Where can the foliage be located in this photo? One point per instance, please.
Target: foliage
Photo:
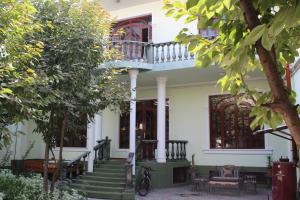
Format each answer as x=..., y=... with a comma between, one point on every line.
x=23, y=188
x=18, y=79
x=234, y=49
x=75, y=40
x=4, y=160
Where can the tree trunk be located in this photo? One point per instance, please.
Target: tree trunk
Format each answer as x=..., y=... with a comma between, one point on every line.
x=281, y=102
x=46, y=161
x=46, y=158
x=61, y=146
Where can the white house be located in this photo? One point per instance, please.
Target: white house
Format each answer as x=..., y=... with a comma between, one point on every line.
x=177, y=105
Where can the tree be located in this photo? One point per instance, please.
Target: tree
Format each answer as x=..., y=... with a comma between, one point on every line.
x=75, y=39
x=252, y=35
x=17, y=78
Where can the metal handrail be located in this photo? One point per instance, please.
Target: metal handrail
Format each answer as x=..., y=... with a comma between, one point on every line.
x=84, y=155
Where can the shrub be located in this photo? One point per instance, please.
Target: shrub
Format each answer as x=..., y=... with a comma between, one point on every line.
x=23, y=188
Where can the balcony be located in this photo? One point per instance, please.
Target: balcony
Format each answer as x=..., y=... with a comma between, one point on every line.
x=156, y=56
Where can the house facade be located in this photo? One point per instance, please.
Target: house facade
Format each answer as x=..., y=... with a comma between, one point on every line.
x=177, y=110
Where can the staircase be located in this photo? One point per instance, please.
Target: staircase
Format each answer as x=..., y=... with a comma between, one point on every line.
x=106, y=182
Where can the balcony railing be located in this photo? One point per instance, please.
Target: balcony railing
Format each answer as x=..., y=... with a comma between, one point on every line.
x=175, y=149
x=157, y=53
x=152, y=53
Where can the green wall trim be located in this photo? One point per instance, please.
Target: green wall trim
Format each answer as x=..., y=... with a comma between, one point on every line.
x=162, y=176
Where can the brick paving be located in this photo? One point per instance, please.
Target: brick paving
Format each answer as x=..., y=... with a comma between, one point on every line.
x=185, y=193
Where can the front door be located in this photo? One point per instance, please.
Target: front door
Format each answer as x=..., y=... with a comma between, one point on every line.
x=146, y=122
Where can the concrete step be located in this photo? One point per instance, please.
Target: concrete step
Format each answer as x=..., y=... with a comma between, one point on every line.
x=109, y=166
x=106, y=174
x=110, y=170
x=102, y=183
x=101, y=178
x=108, y=195
x=98, y=187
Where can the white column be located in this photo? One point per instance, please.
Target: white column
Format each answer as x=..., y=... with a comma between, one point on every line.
x=133, y=77
x=161, y=119
x=98, y=128
x=90, y=145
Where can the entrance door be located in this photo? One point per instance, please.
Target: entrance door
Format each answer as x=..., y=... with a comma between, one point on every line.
x=146, y=122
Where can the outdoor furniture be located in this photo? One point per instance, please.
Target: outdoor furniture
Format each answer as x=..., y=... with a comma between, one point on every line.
x=198, y=182
x=36, y=165
x=249, y=182
x=228, y=178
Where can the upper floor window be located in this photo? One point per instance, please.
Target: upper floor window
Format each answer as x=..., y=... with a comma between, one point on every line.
x=135, y=29
x=230, y=124
x=132, y=36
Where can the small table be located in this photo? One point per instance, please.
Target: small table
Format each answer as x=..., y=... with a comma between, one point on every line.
x=201, y=183
x=249, y=180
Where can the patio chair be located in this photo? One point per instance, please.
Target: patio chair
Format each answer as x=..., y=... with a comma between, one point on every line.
x=198, y=181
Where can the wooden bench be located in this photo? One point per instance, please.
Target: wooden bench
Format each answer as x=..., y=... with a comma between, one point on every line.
x=36, y=165
x=228, y=178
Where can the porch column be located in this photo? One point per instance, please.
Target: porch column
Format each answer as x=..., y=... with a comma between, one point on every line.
x=132, y=130
x=161, y=119
x=98, y=128
x=90, y=145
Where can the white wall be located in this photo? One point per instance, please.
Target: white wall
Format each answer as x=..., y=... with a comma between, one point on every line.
x=164, y=29
x=189, y=120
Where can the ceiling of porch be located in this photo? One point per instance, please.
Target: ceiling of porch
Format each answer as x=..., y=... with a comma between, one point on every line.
x=119, y=4
x=186, y=76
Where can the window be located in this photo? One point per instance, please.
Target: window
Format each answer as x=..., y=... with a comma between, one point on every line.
x=230, y=124
x=76, y=135
x=130, y=36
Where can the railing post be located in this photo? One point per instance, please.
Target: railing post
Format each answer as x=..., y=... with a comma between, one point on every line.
x=184, y=150
x=157, y=53
x=177, y=150
x=167, y=150
x=150, y=53
x=129, y=177
x=162, y=55
x=179, y=52
x=173, y=152
x=129, y=170
x=181, y=150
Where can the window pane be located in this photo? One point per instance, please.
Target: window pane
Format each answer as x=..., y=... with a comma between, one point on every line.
x=230, y=124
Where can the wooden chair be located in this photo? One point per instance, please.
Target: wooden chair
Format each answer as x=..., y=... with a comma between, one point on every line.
x=198, y=182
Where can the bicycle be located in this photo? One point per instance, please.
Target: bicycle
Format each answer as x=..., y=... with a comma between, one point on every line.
x=145, y=182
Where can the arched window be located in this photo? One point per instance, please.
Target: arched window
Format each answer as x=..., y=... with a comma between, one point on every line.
x=230, y=124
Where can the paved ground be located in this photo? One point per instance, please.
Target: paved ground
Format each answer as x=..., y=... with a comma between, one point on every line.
x=185, y=193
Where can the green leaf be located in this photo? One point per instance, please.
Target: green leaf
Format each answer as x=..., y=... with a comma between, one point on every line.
x=227, y=4
x=191, y=3
x=255, y=34
x=267, y=41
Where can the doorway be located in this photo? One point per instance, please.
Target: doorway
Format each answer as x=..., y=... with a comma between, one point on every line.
x=146, y=122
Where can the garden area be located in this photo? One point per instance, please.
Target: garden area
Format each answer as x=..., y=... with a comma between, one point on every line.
x=51, y=53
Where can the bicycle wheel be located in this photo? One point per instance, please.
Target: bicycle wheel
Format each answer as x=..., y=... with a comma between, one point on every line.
x=144, y=187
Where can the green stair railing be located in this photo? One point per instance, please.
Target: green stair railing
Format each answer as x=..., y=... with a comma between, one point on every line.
x=77, y=166
x=128, y=170
x=102, y=150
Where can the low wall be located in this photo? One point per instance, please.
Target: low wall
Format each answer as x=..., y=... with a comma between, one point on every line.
x=163, y=176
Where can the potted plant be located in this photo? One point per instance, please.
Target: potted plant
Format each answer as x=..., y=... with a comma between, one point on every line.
x=269, y=162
